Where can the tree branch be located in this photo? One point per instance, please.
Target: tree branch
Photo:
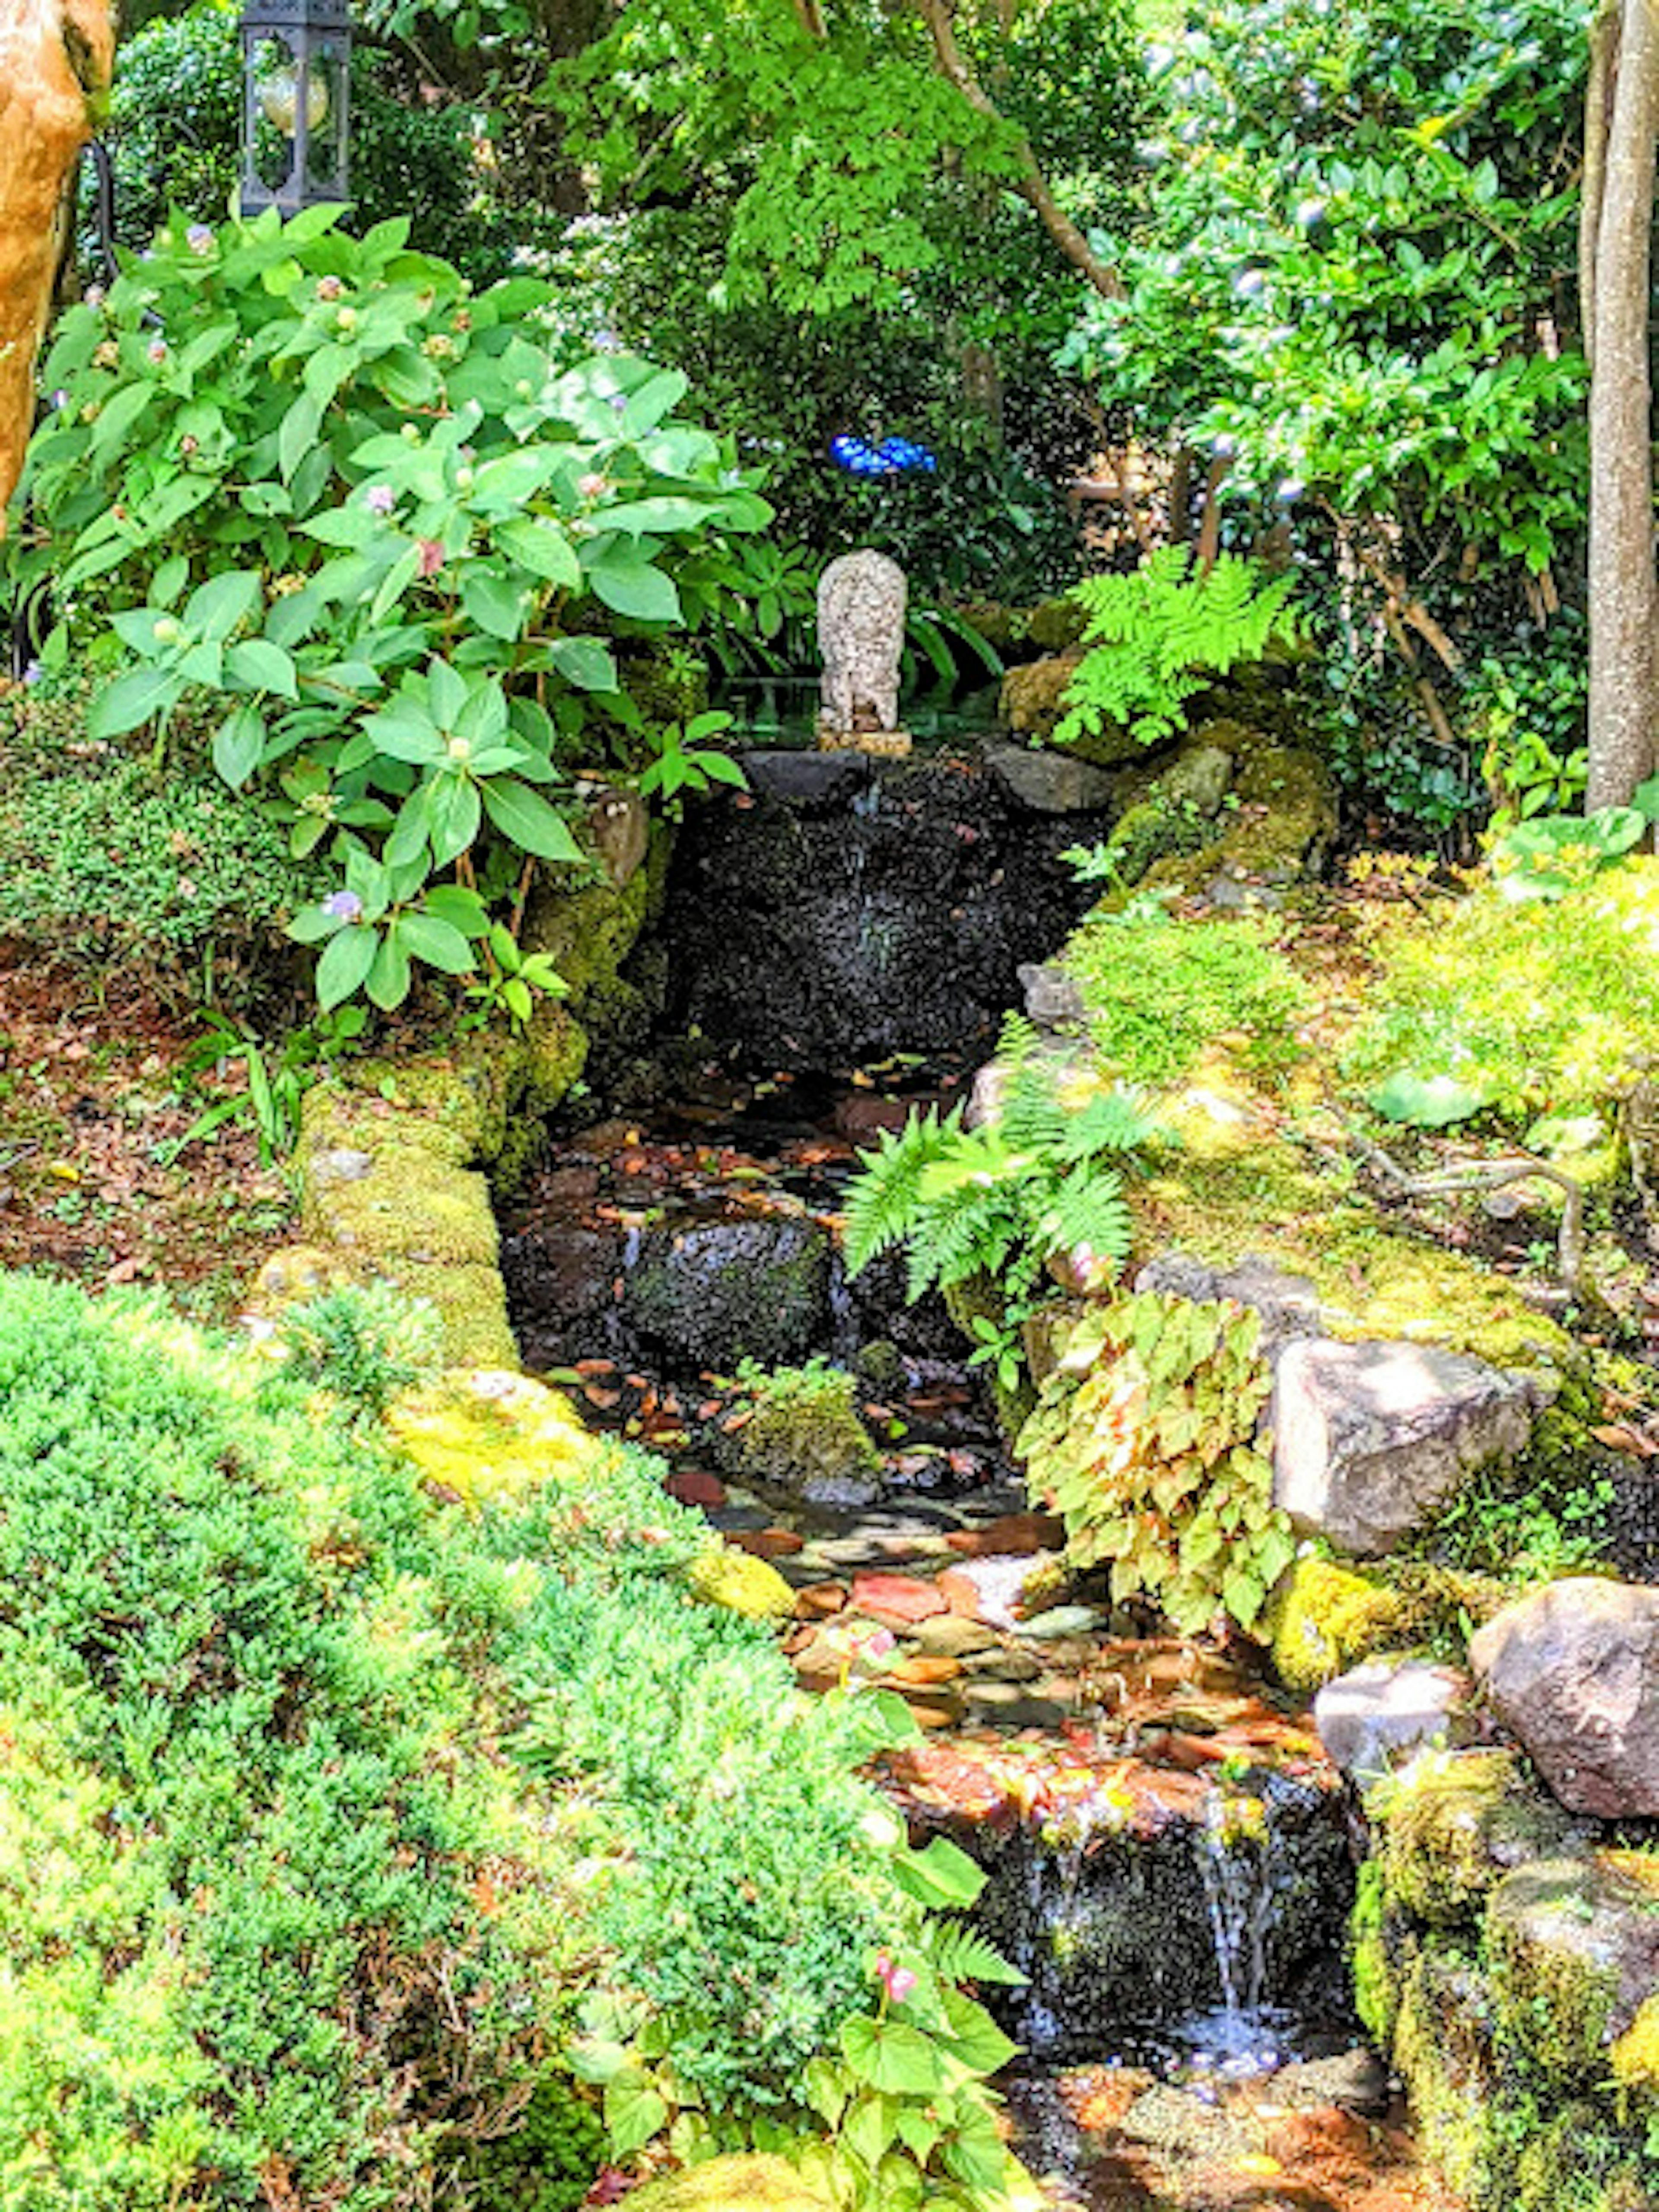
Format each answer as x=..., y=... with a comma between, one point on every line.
x=1031, y=183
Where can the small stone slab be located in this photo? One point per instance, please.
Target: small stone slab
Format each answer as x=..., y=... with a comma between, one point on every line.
x=808, y=781
x=695, y=1485
x=1375, y=1714
x=1052, y=997
x=948, y=1635
x=1573, y=1672
x=1048, y=782
x=899, y=1601
x=1060, y=1620
x=1369, y=1438
x=990, y=1590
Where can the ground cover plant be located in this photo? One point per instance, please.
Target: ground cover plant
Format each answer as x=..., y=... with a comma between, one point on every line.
x=354, y=1801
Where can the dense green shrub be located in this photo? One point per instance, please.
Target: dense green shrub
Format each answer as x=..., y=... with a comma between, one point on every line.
x=324, y=1805
x=1527, y=1008
x=375, y=518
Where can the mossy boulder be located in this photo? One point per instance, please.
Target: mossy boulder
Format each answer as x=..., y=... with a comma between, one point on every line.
x=1458, y=1823
x=1574, y=1950
x=1443, y=2047
x=1282, y=820
x=741, y=1584
x=1323, y=1619
x=801, y=1435
x=725, y=1291
x=732, y=2184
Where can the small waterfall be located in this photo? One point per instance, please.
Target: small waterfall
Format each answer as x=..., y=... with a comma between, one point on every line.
x=1236, y=1864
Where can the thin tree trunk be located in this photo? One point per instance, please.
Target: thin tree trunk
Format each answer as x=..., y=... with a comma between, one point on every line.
x=1624, y=605
x=55, y=61
x=1598, y=105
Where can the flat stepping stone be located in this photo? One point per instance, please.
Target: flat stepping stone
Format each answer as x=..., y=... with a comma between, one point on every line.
x=897, y=1599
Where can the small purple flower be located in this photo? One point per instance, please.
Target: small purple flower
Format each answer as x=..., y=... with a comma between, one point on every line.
x=199, y=238
x=60, y=400
x=157, y=350
x=33, y=672
x=380, y=499
x=343, y=906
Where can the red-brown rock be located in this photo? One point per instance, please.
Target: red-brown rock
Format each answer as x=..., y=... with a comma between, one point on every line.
x=896, y=1600
x=695, y=1485
x=1014, y=1533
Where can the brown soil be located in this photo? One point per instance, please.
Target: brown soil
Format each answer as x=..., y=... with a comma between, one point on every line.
x=91, y=1090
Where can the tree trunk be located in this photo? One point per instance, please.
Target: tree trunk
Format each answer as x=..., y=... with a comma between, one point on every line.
x=1624, y=606
x=55, y=61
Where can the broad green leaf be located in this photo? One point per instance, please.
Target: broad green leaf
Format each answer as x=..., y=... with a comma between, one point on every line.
x=893, y=2056
x=133, y=700
x=495, y=601
x=634, y=2113
x=525, y=817
x=1426, y=1102
x=543, y=548
x=215, y=607
x=584, y=662
x=436, y=942
x=344, y=966
x=389, y=978
x=238, y=744
x=632, y=586
x=257, y=664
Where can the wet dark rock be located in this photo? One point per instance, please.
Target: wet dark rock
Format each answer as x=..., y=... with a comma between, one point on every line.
x=808, y=780
x=561, y=1280
x=1048, y=782
x=1573, y=1672
x=813, y=934
x=711, y=1296
x=1108, y=1915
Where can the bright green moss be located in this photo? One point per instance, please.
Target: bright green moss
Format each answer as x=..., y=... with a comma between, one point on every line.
x=1542, y=1007
x=1554, y=1969
x=1455, y=1823
x=741, y=1584
x=1159, y=990
x=1324, y=1619
x=732, y=2184
x=1376, y=1994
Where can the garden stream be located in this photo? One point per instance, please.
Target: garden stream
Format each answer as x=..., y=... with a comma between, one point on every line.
x=1167, y=1852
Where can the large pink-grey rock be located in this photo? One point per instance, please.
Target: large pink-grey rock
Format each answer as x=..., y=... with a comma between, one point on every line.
x=1573, y=1672
x=1369, y=1438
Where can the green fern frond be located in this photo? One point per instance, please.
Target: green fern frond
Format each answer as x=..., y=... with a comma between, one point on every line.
x=1019, y=1041
x=1164, y=633
x=1115, y=1120
x=958, y=1953
x=1086, y=1211
x=884, y=1202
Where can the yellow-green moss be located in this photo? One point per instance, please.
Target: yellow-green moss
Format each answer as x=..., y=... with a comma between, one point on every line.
x=1454, y=1824
x=478, y=1435
x=1635, y=2057
x=470, y=1302
x=409, y=1205
x=731, y=2184
x=741, y=1584
x=1324, y=1619
x=1441, y=2050
x=1555, y=1977
x=1286, y=818
x=1376, y=1992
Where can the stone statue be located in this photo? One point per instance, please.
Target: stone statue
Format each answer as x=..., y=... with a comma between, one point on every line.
x=861, y=600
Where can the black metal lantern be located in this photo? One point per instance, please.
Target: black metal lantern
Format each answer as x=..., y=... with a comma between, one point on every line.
x=296, y=104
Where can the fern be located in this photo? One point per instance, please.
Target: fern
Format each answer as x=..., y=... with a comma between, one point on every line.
x=1001, y=1200
x=1163, y=633
x=885, y=1200
x=958, y=1953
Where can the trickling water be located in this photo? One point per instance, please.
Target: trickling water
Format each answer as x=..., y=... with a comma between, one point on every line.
x=1235, y=1853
